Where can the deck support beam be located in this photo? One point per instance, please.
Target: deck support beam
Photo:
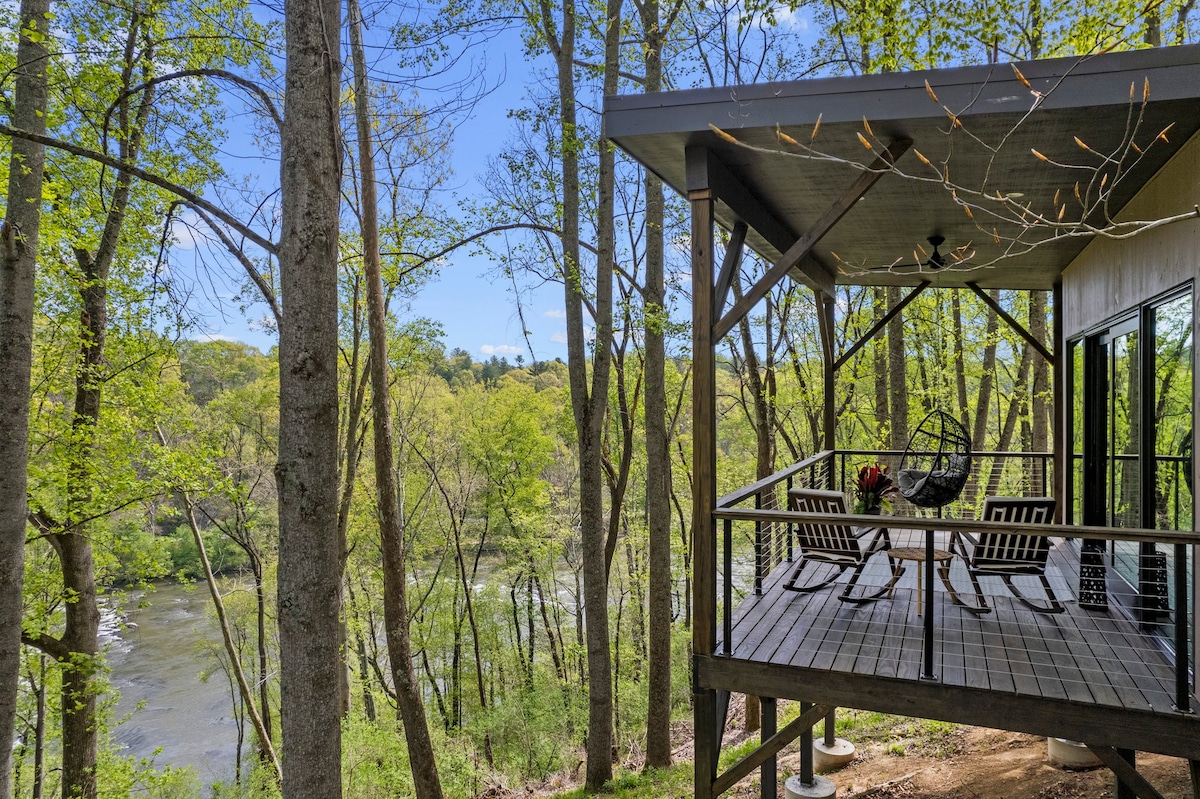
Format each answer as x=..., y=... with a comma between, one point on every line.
x=1130, y=783
x=801, y=249
x=1013, y=323
x=768, y=773
x=881, y=324
x=769, y=748
x=1167, y=733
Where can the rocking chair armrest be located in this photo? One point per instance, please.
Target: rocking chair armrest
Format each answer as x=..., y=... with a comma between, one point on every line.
x=860, y=532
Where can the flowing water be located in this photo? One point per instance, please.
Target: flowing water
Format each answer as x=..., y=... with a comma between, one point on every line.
x=157, y=662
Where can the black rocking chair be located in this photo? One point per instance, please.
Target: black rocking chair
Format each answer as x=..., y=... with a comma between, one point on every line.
x=837, y=545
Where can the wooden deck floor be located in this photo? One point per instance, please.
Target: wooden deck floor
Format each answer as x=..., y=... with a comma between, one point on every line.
x=1097, y=659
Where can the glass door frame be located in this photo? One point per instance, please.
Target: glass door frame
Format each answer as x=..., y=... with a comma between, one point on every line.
x=1097, y=440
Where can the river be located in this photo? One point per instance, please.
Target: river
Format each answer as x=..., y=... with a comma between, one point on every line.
x=157, y=664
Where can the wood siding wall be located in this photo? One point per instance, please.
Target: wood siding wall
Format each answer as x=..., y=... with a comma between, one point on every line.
x=1110, y=277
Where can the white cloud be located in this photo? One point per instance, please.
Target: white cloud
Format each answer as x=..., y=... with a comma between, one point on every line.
x=183, y=231
x=778, y=16
x=499, y=349
x=560, y=337
x=792, y=20
x=555, y=313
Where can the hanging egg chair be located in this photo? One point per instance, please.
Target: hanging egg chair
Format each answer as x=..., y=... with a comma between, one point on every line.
x=936, y=462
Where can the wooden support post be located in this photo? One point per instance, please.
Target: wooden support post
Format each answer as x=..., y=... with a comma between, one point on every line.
x=831, y=728
x=806, y=749
x=704, y=720
x=768, y=778
x=825, y=314
x=704, y=493
x=1194, y=769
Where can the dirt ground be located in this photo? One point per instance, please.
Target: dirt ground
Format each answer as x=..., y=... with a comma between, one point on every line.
x=898, y=758
x=978, y=763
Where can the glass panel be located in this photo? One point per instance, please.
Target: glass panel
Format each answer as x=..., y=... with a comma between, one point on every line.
x=1173, y=392
x=1173, y=414
x=1124, y=505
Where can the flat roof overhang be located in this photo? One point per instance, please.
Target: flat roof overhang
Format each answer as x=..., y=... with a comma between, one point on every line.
x=769, y=185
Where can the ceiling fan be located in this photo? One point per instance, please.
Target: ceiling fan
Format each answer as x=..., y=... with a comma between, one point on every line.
x=935, y=260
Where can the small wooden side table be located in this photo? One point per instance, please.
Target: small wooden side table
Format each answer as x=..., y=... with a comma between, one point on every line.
x=941, y=558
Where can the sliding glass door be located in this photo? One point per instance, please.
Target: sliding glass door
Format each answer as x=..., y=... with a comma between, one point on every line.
x=1132, y=434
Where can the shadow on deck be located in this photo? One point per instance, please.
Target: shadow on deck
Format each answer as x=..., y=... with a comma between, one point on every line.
x=1088, y=675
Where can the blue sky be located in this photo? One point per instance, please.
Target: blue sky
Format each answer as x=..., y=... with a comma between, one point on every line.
x=477, y=313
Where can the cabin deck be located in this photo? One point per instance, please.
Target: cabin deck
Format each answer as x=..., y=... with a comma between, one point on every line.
x=1082, y=674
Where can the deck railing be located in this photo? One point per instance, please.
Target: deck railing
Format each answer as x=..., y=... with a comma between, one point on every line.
x=994, y=473
x=772, y=540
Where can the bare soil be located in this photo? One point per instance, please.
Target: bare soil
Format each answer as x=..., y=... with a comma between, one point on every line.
x=907, y=759
x=984, y=764
x=959, y=762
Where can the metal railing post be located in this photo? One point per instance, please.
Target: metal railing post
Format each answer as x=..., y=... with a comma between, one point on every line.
x=927, y=665
x=1183, y=697
x=791, y=528
x=727, y=646
x=758, y=547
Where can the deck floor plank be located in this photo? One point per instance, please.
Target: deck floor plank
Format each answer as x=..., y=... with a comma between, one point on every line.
x=1082, y=656
x=874, y=639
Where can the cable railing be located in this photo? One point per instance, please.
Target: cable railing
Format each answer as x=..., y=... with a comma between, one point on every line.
x=756, y=540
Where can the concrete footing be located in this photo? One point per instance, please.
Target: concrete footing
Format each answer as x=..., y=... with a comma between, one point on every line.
x=831, y=758
x=821, y=788
x=1071, y=755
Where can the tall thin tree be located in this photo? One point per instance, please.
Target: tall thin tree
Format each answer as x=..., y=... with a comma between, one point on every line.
x=18, y=261
x=391, y=535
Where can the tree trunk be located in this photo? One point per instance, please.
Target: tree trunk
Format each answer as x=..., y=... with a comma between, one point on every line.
x=987, y=379
x=882, y=406
x=1016, y=409
x=658, y=456
x=395, y=602
x=588, y=407
x=960, y=367
x=309, y=557
x=19, y=240
x=71, y=541
x=267, y=751
x=1041, y=423
x=897, y=374
x=764, y=426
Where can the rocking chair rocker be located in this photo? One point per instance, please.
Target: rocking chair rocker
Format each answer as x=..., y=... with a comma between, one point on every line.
x=1005, y=555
